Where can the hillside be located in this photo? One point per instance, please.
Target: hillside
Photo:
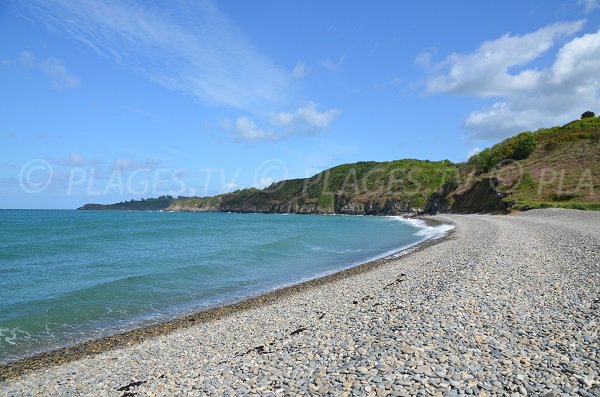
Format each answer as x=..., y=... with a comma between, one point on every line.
x=551, y=167
x=151, y=204
x=370, y=188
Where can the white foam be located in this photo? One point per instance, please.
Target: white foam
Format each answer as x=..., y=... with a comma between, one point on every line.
x=9, y=335
x=428, y=232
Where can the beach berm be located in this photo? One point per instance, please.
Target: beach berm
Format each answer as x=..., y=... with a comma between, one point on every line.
x=506, y=305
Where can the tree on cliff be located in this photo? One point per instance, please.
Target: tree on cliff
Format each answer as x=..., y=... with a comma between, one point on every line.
x=587, y=114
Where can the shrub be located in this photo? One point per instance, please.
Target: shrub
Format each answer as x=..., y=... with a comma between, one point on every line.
x=583, y=124
x=518, y=147
x=480, y=161
x=587, y=115
x=568, y=135
x=523, y=145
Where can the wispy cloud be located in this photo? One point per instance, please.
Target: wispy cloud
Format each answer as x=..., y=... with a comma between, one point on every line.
x=189, y=47
x=589, y=5
x=27, y=59
x=56, y=70
x=265, y=182
x=333, y=64
x=104, y=168
x=247, y=131
x=52, y=67
x=126, y=165
x=529, y=97
x=306, y=120
x=473, y=152
x=72, y=160
x=425, y=56
x=300, y=70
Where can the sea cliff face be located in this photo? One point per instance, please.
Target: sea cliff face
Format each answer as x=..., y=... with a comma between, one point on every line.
x=478, y=196
x=341, y=205
x=364, y=188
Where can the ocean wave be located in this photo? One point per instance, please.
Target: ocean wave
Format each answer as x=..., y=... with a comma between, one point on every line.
x=427, y=231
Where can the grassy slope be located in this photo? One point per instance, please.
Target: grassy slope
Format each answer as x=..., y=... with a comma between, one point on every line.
x=363, y=187
x=562, y=170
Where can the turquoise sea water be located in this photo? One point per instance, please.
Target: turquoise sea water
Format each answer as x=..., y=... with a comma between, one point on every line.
x=69, y=276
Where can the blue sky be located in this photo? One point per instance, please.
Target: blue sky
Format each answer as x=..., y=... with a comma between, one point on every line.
x=106, y=101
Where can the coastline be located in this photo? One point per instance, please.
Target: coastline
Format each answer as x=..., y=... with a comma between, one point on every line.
x=508, y=305
x=138, y=335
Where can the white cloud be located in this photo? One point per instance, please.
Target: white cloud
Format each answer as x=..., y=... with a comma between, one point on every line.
x=333, y=64
x=485, y=72
x=27, y=59
x=224, y=123
x=265, y=182
x=589, y=5
x=246, y=130
x=188, y=47
x=55, y=68
x=51, y=67
x=300, y=70
x=123, y=164
x=424, y=58
x=306, y=120
x=473, y=152
x=230, y=186
x=73, y=160
x=531, y=97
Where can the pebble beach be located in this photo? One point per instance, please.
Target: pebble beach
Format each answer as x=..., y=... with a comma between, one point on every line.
x=503, y=306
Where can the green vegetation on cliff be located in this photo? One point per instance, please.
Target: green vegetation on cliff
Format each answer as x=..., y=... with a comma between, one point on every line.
x=518, y=147
x=359, y=188
x=151, y=204
x=551, y=167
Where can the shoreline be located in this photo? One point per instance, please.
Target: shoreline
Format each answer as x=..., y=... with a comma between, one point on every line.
x=138, y=335
x=507, y=305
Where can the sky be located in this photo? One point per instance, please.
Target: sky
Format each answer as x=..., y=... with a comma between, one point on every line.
x=103, y=101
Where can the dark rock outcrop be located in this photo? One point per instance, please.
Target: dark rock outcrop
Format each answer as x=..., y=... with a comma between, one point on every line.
x=439, y=201
x=483, y=195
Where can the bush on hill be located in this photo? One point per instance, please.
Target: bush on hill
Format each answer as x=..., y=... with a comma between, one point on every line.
x=518, y=147
x=587, y=114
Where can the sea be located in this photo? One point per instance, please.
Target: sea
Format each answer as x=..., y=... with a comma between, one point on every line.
x=69, y=276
